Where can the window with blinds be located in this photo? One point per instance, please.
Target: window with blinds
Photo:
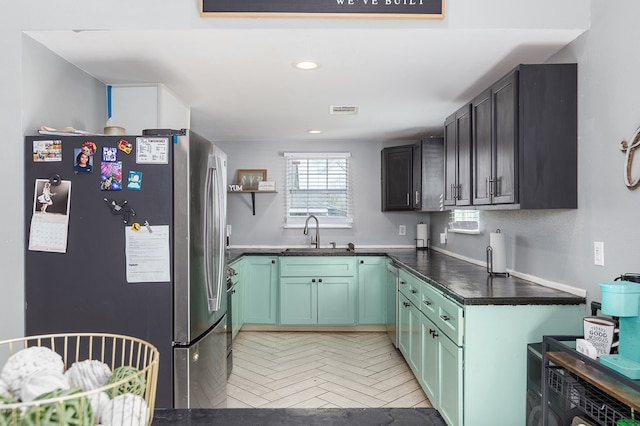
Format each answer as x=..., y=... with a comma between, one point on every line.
x=465, y=221
x=318, y=184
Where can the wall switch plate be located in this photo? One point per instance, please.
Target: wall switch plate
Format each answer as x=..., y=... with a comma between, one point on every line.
x=402, y=230
x=443, y=238
x=598, y=253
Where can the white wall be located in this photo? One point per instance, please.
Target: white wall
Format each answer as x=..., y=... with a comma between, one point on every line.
x=371, y=226
x=558, y=245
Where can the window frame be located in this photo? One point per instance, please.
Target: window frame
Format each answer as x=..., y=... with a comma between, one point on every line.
x=339, y=222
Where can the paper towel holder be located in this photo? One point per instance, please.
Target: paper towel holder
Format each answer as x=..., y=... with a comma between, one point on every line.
x=421, y=243
x=490, y=261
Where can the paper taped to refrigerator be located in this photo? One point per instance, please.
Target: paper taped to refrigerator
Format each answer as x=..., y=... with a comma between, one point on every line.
x=147, y=254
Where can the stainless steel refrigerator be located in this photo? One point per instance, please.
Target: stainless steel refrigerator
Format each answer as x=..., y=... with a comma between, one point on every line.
x=132, y=242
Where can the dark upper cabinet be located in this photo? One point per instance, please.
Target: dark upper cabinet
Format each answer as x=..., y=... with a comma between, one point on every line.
x=524, y=140
x=432, y=174
x=397, y=178
x=412, y=176
x=457, y=152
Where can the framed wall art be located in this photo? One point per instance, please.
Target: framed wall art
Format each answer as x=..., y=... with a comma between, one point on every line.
x=250, y=179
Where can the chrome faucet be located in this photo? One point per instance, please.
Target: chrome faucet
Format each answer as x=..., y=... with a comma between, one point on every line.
x=315, y=242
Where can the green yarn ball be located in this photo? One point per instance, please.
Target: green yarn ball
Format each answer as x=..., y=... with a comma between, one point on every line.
x=71, y=412
x=135, y=385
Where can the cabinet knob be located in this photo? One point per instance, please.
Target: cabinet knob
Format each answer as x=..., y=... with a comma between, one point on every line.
x=319, y=280
x=361, y=262
x=273, y=261
x=412, y=291
x=402, y=282
x=445, y=317
x=313, y=280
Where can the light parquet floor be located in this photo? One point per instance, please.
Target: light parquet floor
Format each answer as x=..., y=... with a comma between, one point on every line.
x=320, y=370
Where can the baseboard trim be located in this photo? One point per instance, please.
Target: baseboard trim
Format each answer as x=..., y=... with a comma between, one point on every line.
x=348, y=328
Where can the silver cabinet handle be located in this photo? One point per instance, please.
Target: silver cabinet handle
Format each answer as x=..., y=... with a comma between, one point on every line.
x=427, y=302
x=417, y=197
x=408, y=203
x=445, y=317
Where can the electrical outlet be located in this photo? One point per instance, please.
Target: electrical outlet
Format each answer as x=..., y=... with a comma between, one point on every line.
x=402, y=230
x=598, y=253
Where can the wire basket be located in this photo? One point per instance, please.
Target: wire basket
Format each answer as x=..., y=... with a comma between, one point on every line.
x=127, y=399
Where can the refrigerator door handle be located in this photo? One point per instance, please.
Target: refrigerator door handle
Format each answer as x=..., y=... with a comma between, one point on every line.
x=219, y=255
x=213, y=302
x=214, y=237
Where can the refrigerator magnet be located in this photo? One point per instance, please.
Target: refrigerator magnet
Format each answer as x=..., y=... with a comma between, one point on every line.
x=134, y=181
x=109, y=153
x=152, y=150
x=111, y=176
x=83, y=163
x=135, y=226
x=125, y=146
x=47, y=151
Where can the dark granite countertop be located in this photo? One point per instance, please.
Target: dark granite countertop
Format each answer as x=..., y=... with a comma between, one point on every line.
x=465, y=282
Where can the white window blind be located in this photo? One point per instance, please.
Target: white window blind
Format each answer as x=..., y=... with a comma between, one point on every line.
x=465, y=221
x=318, y=184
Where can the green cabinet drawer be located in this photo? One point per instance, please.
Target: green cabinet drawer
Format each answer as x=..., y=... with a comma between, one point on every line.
x=446, y=314
x=410, y=286
x=329, y=266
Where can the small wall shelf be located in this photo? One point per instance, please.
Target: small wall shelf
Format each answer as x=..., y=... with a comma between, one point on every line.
x=253, y=196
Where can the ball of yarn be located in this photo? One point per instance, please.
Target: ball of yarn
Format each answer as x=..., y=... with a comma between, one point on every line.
x=127, y=409
x=88, y=374
x=135, y=385
x=42, y=381
x=70, y=411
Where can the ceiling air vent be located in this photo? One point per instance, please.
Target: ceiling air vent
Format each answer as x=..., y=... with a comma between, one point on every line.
x=343, y=110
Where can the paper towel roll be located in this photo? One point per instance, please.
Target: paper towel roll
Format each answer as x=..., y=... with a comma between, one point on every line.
x=422, y=235
x=499, y=253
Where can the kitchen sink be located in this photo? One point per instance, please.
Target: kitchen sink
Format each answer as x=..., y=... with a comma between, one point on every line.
x=312, y=251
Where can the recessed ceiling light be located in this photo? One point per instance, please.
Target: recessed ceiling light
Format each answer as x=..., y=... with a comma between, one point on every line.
x=314, y=132
x=306, y=65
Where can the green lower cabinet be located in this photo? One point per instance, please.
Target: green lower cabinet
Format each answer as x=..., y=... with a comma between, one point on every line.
x=450, y=383
x=430, y=373
x=404, y=333
x=298, y=301
x=260, y=288
x=415, y=340
x=372, y=290
x=317, y=300
x=336, y=301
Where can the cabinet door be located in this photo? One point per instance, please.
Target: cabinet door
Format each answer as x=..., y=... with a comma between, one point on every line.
x=505, y=112
x=432, y=186
x=336, y=300
x=415, y=340
x=372, y=290
x=450, y=385
x=404, y=309
x=430, y=374
x=298, y=301
x=482, y=148
x=260, y=290
x=450, y=161
x=397, y=178
x=416, y=181
x=463, y=154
